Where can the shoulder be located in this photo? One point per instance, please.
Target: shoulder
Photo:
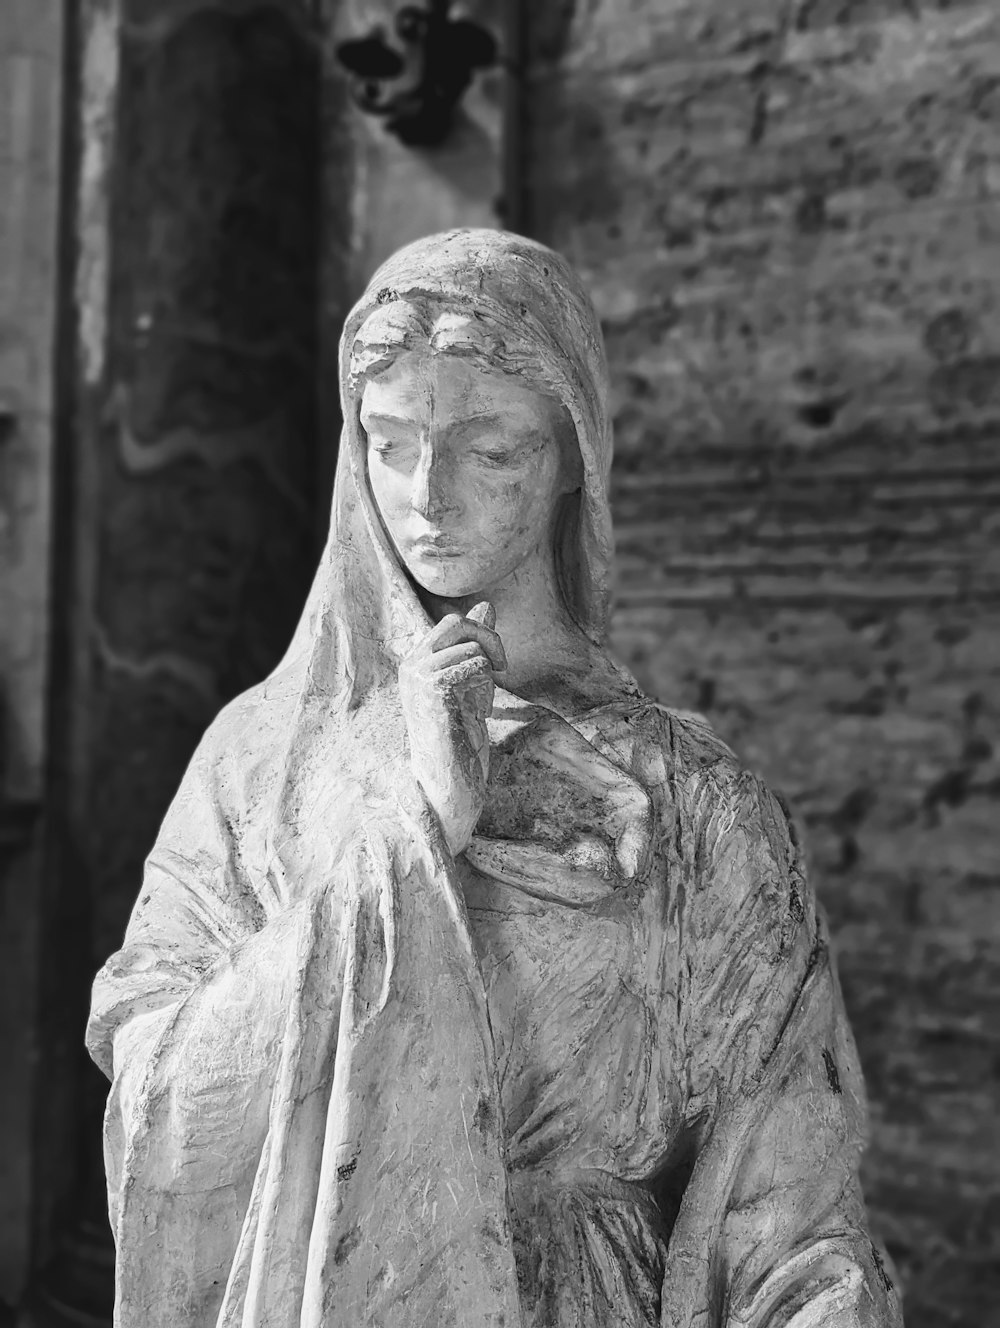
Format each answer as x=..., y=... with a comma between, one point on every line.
x=743, y=846
x=693, y=743
x=671, y=746
x=724, y=797
x=710, y=769
x=732, y=821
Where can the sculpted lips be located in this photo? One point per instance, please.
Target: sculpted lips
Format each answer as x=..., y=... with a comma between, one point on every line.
x=435, y=542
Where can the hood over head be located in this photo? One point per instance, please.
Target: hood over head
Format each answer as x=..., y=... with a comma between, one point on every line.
x=530, y=309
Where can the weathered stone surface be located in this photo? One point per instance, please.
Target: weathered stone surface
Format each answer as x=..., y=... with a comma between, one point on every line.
x=788, y=215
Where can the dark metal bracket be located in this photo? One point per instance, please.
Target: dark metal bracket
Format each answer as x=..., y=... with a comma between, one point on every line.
x=414, y=76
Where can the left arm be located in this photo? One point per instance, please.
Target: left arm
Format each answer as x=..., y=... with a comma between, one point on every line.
x=772, y=1231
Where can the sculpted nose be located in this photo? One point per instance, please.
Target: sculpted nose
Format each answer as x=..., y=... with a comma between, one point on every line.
x=433, y=494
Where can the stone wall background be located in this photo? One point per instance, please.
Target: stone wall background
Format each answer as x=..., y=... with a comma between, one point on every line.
x=789, y=214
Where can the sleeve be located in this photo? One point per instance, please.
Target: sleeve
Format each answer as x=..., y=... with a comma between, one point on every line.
x=772, y=1231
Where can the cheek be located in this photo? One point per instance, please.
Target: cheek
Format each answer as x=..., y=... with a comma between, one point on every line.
x=388, y=489
x=516, y=511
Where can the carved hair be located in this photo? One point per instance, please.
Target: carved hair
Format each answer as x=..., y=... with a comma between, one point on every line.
x=422, y=323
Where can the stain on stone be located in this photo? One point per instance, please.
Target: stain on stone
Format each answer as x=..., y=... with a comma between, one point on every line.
x=871, y=702
x=491, y=1234
x=348, y=1169
x=758, y=122
x=810, y=215
x=947, y=335
x=917, y=177
x=714, y=203
x=678, y=237
x=705, y=699
x=977, y=749
x=854, y=809
x=951, y=634
x=795, y=905
x=819, y=414
x=984, y=97
x=969, y=382
x=849, y=854
x=551, y=29
x=484, y=1118
x=346, y=1246
x=883, y=1276
x=972, y=702
x=980, y=882
x=832, y=1073
x=950, y=790
x=638, y=385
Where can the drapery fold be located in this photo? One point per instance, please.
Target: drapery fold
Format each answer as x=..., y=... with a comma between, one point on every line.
x=379, y=1191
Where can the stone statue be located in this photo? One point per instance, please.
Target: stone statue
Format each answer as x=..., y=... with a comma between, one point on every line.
x=467, y=986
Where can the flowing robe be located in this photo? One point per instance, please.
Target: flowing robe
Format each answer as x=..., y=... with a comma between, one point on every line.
x=594, y=1071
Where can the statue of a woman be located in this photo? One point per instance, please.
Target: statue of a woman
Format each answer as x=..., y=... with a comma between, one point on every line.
x=466, y=985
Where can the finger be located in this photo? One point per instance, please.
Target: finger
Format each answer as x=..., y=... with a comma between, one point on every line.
x=463, y=673
x=483, y=613
x=466, y=650
x=453, y=629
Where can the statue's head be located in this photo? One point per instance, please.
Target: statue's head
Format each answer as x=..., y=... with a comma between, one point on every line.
x=474, y=389
x=469, y=451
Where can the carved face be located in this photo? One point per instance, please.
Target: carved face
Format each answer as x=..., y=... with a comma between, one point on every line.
x=465, y=467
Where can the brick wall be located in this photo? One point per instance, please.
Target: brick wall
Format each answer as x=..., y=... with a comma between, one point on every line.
x=789, y=214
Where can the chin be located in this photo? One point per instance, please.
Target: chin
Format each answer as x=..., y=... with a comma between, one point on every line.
x=446, y=582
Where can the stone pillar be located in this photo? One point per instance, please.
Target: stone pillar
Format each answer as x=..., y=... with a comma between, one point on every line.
x=191, y=507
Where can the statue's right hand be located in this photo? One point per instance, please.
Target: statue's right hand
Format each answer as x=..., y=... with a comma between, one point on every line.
x=446, y=688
